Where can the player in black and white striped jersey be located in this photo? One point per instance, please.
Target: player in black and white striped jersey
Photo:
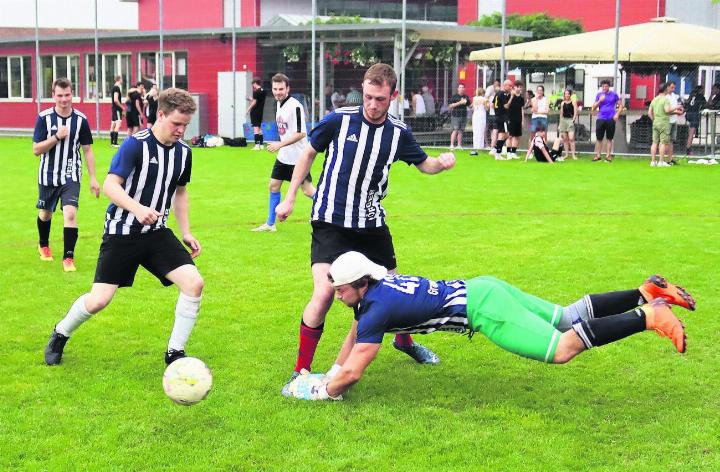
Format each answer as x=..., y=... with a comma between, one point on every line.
x=60, y=132
x=147, y=176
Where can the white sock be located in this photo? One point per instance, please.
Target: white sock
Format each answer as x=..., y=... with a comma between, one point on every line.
x=76, y=316
x=186, y=312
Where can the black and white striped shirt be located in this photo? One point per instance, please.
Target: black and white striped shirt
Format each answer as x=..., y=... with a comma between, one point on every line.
x=151, y=171
x=358, y=156
x=63, y=162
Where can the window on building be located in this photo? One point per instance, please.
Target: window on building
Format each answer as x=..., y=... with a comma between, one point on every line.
x=174, y=68
x=111, y=65
x=55, y=67
x=15, y=77
x=436, y=10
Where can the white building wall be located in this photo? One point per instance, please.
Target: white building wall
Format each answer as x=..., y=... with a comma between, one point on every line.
x=69, y=14
x=271, y=8
x=697, y=12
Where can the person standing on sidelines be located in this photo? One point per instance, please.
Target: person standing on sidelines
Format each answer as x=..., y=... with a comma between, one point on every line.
x=60, y=132
x=479, y=107
x=676, y=104
x=135, y=114
x=255, y=110
x=491, y=119
x=148, y=175
x=540, y=108
x=515, y=118
x=117, y=110
x=152, y=104
x=290, y=118
x=609, y=107
x=360, y=145
x=458, y=116
x=568, y=117
x=659, y=112
x=515, y=321
x=501, y=99
x=695, y=103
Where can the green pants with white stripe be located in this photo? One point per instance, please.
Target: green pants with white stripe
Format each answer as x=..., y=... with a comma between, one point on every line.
x=514, y=320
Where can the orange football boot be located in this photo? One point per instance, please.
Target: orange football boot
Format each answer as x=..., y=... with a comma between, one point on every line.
x=657, y=286
x=45, y=253
x=69, y=265
x=660, y=318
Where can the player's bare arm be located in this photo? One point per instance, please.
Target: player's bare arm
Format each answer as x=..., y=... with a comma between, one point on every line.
x=90, y=164
x=182, y=215
x=435, y=165
x=112, y=187
x=275, y=146
x=285, y=208
x=352, y=370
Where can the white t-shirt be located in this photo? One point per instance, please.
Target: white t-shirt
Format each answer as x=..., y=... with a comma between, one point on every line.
x=673, y=99
x=290, y=119
x=490, y=96
x=419, y=104
x=542, y=107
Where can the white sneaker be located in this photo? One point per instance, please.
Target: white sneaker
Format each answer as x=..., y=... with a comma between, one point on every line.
x=512, y=155
x=663, y=164
x=257, y=147
x=492, y=152
x=560, y=159
x=701, y=161
x=264, y=228
x=653, y=163
x=459, y=148
x=712, y=162
x=452, y=148
x=498, y=157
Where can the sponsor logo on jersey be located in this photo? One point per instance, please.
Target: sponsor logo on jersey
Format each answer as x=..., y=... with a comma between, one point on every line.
x=153, y=160
x=352, y=138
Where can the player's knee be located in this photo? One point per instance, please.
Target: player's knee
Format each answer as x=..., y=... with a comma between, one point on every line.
x=274, y=186
x=95, y=302
x=194, y=286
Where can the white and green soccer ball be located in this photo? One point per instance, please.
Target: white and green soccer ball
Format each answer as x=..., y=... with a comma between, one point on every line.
x=187, y=381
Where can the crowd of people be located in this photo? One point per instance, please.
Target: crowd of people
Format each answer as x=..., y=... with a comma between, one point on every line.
x=139, y=107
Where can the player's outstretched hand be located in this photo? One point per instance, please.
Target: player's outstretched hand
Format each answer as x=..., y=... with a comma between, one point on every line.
x=446, y=160
x=193, y=244
x=95, y=187
x=273, y=147
x=147, y=215
x=310, y=387
x=283, y=210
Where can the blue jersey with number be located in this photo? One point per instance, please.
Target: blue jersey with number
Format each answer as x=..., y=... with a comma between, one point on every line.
x=406, y=304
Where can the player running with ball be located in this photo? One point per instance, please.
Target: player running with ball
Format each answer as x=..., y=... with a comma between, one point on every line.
x=516, y=321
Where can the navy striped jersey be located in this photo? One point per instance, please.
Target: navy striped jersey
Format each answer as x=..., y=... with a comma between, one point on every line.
x=358, y=156
x=406, y=304
x=151, y=171
x=62, y=163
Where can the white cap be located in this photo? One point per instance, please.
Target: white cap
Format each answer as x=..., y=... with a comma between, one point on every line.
x=352, y=266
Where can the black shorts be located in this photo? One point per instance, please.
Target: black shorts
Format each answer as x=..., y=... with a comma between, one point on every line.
x=256, y=119
x=693, y=120
x=514, y=128
x=116, y=114
x=159, y=252
x=132, y=120
x=605, y=129
x=329, y=241
x=499, y=123
x=282, y=171
x=48, y=197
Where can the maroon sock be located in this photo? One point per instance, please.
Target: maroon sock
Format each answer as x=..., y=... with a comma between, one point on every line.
x=403, y=340
x=309, y=339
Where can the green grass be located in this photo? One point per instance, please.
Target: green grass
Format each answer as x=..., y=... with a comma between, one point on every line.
x=556, y=231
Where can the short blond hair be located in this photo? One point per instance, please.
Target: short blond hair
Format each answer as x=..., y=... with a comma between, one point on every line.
x=381, y=74
x=178, y=99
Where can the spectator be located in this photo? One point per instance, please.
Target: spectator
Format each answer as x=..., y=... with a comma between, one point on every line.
x=458, y=115
x=695, y=102
x=515, y=118
x=354, y=97
x=418, y=103
x=540, y=107
x=529, y=95
x=674, y=100
x=714, y=102
x=430, y=108
x=568, y=117
x=491, y=118
x=659, y=112
x=609, y=107
x=328, y=107
x=480, y=107
x=337, y=99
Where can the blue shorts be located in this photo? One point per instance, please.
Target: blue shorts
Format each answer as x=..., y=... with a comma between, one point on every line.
x=538, y=121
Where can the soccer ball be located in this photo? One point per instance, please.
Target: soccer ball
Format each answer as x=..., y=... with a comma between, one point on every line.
x=187, y=381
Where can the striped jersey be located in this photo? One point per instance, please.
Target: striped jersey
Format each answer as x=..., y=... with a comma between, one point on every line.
x=406, y=304
x=63, y=162
x=290, y=118
x=358, y=156
x=151, y=171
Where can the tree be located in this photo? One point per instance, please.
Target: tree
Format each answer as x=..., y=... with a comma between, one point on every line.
x=541, y=25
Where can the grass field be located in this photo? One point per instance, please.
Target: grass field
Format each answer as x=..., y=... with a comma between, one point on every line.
x=556, y=231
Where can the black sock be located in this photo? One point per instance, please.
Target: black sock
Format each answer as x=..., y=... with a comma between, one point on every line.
x=256, y=137
x=512, y=150
x=261, y=137
x=70, y=236
x=499, y=145
x=44, y=232
x=115, y=137
x=600, y=331
x=612, y=303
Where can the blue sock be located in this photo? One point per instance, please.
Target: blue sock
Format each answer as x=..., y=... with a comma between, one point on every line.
x=274, y=201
